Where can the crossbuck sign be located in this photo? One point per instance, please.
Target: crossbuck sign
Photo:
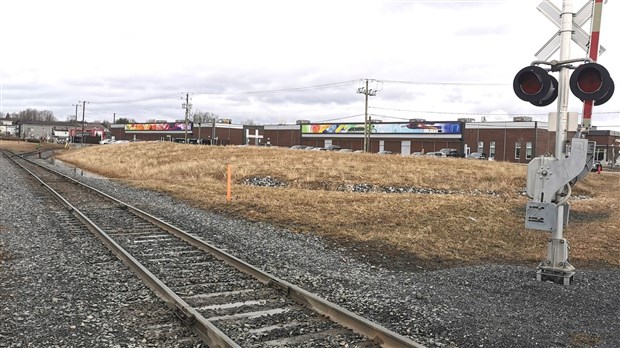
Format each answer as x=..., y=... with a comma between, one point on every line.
x=580, y=36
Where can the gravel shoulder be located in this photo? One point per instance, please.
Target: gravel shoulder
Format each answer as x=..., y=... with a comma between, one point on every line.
x=475, y=306
x=59, y=287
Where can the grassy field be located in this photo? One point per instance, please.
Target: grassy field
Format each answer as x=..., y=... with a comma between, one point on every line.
x=479, y=217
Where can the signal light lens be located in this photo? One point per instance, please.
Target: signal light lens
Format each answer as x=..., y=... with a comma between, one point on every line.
x=534, y=85
x=591, y=81
x=530, y=83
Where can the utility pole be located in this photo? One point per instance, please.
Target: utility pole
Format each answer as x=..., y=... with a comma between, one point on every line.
x=366, y=92
x=75, y=119
x=83, y=113
x=187, y=107
x=213, y=131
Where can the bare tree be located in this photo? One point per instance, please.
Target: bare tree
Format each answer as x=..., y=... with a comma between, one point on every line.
x=123, y=120
x=35, y=115
x=106, y=124
x=47, y=116
x=204, y=117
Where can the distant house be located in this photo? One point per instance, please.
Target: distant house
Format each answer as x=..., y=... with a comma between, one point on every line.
x=59, y=131
x=7, y=126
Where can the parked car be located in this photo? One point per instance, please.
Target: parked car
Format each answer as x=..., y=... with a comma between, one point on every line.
x=453, y=153
x=417, y=153
x=477, y=155
x=332, y=147
x=596, y=166
x=385, y=152
x=448, y=150
x=106, y=141
x=435, y=154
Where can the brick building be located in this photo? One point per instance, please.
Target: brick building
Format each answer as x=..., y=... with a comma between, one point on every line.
x=517, y=141
x=607, y=145
x=509, y=141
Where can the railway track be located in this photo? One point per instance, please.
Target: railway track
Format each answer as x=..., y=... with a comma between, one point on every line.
x=224, y=300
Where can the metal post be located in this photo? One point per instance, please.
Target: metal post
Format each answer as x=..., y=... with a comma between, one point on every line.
x=213, y=131
x=366, y=125
x=186, y=114
x=75, y=121
x=83, y=112
x=561, y=132
x=556, y=266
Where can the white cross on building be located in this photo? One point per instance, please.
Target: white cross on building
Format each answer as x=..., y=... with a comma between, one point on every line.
x=256, y=136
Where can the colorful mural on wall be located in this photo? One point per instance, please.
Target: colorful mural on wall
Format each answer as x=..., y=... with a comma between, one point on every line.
x=157, y=127
x=385, y=128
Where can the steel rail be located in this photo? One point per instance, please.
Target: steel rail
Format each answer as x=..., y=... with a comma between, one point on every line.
x=358, y=324
x=210, y=334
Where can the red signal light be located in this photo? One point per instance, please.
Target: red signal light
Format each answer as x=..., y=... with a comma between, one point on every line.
x=534, y=84
x=592, y=81
x=589, y=81
x=530, y=83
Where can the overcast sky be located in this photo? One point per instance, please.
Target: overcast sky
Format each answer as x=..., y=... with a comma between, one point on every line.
x=438, y=60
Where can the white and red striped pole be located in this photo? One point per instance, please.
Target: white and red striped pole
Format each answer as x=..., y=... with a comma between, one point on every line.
x=595, y=33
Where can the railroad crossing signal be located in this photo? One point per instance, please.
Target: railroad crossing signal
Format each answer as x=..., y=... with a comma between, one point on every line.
x=549, y=178
x=580, y=36
x=590, y=81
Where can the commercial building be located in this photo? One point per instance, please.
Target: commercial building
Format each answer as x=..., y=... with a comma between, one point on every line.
x=517, y=141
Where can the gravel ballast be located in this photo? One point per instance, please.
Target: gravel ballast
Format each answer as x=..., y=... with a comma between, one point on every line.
x=474, y=306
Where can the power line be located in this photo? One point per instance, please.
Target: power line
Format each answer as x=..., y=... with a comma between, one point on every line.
x=473, y=113
x=338, y=118
x=129, y=101
x=429, y=83
x=448, y=1
x=292, y=89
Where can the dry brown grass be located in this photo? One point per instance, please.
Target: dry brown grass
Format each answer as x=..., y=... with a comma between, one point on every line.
x=463, y=228
x=21, y=146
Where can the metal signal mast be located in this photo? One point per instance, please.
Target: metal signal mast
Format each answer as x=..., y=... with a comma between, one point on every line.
x=550, y=178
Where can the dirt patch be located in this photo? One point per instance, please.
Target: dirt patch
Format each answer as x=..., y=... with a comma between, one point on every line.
x=387, y=256
x=584, y=339
x=588, y=216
